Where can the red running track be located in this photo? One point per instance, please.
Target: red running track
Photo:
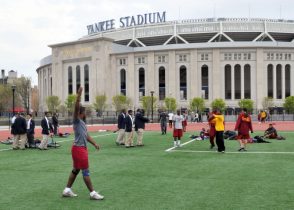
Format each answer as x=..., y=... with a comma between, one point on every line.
x=279, y=125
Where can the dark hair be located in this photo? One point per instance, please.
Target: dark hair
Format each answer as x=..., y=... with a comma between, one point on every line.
x=245, y=109
x=130, y=111
x=82, y=110
x=30, y=115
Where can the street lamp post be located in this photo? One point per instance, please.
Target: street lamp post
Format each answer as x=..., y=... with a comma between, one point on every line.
x=152, y=92
x=13, y=103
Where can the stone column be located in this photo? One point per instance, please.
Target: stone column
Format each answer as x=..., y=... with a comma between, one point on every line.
x=275, y=82
x=291, y=80
x=172, y=80
x=151, y=83
x=192, y=79
x=130, y=78
x=242, y=81
x=214, y=81
x=283, y=82
x=260, y=87
x=233, y=82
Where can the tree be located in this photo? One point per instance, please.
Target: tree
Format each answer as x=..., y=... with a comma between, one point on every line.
x=62, y=109
x=289, y=104
x=89, y=110
x=53, y=103
x=23, y=89
x=197, y=104
x=5, y=98
x=121, y=102
x=35, y=99
x=267, y=102
x=170, y=103
x=70, y=102
x=218, y=104
x=246, y=103
x=147, y=103
x=100, y=104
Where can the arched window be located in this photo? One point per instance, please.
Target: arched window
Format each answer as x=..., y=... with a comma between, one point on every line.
x=228, y=82
x=247, y=81
x=270, y=84
x=204, y=82
x=287, y=80
x=78, y=77
x=161, y=82
x=183, y=83
x=141, y=82
x=70, y=89
x=123, y=88
x=237, y=70
x=279, y=81
x=86, y=81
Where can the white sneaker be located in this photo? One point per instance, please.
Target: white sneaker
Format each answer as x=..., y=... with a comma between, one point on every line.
x=96, y=196
x=68, y=193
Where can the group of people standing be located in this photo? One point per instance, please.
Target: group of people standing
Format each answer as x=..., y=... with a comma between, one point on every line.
x=217, y=127
x=127, y=124
x=23, y=130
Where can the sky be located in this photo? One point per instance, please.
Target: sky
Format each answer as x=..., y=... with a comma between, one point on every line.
x=28, y=27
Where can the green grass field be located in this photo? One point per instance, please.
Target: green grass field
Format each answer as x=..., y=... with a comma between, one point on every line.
x=150, y=178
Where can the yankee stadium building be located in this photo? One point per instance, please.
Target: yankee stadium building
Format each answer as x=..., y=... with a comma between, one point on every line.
x=229, y=58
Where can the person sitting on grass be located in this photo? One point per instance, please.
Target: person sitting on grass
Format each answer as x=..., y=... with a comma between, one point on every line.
x=204, y=134
x=271, y=133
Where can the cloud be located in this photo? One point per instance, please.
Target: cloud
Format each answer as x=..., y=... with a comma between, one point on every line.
x=28, y=27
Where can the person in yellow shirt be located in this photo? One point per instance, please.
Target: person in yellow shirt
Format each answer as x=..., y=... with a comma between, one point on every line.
x=219, y=128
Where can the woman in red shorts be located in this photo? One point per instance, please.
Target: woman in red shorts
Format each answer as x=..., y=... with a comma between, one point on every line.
x=243, y=126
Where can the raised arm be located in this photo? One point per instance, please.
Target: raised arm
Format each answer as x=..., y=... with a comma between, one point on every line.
x=77, y=103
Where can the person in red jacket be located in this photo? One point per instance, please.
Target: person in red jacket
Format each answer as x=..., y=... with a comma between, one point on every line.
x=243, y=126
x=212, y=131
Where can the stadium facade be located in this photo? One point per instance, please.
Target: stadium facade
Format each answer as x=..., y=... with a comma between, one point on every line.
x=229, y=58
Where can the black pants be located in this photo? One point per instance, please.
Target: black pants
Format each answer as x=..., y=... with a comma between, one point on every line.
x=55, y=129
x=220, y=141
x=163, y=126
x=30, y=139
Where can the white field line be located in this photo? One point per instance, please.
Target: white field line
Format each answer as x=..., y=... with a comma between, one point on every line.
x=1, y=150
x=260, y=152
x=188, y=142
x=172, y=149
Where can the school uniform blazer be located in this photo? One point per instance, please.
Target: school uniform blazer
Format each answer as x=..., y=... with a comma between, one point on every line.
x=45, y=129
x=121, y=121
x=20, y=126
x=140, y=121
x=32, y=127
x=55, y=121
x=129, y=124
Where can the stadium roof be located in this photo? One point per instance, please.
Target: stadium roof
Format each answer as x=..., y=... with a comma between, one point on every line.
x=209, y=30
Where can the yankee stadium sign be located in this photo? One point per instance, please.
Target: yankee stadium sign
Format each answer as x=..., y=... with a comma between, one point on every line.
x=128, y=21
